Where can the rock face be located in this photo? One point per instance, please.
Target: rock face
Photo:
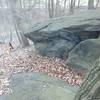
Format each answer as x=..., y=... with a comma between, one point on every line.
x=39, y=86
x=55, y=43
x=84, y=54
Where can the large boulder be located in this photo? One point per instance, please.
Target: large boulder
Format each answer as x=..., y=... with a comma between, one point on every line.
x=39, y=86
x=84, y=54
x=56, y=37
x=54, y=43
x=78, y=23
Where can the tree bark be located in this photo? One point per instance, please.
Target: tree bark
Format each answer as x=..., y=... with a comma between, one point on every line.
x=90, y=89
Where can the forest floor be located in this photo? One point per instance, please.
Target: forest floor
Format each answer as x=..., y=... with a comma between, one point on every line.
x=25, y=60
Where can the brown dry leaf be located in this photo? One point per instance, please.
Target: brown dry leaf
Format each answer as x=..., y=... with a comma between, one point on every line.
x=24, y=60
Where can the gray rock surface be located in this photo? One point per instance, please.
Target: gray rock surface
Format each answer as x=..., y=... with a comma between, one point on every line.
x=39, y=86
x=54, y=43
x=84, y=54
x=88, y=20
x=51, y=37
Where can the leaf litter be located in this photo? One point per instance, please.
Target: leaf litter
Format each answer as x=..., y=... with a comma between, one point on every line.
x=25, y=60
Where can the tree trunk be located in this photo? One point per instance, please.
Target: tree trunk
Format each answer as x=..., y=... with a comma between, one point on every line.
x=24, y=5
x=46, y=5
x=97, y=3
x=39, y=3
x=56, y=8
x=72, y=5
x=78, y=3
x=16, y=20
x=65, y=5
x=51, y=8
x=90, y=89
x=91, y=4
x=20, y=2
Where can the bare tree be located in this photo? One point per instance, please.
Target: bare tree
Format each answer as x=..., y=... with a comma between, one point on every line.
x=65, y=5
x=20, y=2
x=72, y=5
x=91, y=4
x=57, y=8
x=16, y=21
x=51, y=8
x=78, y=3
x=97, y=3
x=46, y=5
